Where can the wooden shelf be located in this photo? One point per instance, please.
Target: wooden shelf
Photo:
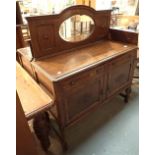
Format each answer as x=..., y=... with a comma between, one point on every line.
x=32, y=96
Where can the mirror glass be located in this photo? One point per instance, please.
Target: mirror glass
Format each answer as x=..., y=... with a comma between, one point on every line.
x=76, y=28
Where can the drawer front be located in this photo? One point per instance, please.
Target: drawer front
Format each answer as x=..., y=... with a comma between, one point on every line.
x=80, y=79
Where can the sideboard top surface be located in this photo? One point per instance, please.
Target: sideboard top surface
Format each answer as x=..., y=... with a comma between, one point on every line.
x=62, y=66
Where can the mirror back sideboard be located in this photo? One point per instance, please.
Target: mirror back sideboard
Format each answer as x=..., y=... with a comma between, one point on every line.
x=44, y=30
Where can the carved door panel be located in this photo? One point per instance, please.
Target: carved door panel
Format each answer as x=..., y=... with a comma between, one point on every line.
x=119, y=73
x=46, y=38
x=82, y=92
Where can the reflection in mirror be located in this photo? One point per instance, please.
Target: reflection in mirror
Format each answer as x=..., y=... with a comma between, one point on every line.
x=76, y=28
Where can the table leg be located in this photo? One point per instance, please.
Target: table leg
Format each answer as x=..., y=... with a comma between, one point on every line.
x=128, y=92
x=63, y=139
x=126, y=95
x=60, y=132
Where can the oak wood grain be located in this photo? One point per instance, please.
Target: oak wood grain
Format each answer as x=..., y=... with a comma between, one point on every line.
x=32, y=96
x=64, y=65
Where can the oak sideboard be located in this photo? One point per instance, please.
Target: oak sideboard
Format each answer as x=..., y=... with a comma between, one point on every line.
x=74, y=58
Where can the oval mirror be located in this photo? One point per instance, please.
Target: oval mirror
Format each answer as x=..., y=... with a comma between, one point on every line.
x=76, y=28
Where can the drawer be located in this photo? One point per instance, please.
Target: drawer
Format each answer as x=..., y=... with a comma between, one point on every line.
x=79, y=79
x=121, y=59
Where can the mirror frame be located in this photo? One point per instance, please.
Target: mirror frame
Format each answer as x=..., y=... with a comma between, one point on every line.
x=91, y=33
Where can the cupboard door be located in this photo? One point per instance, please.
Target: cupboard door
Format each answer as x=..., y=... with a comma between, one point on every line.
x=119, y=73
x=82, y=92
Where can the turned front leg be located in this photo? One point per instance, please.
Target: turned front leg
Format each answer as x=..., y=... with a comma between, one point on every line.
x=127, y=94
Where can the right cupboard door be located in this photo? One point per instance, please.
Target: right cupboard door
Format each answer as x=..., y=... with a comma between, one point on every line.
x=119, y=73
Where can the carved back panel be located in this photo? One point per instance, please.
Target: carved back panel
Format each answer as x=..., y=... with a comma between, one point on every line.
x=44, y=30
